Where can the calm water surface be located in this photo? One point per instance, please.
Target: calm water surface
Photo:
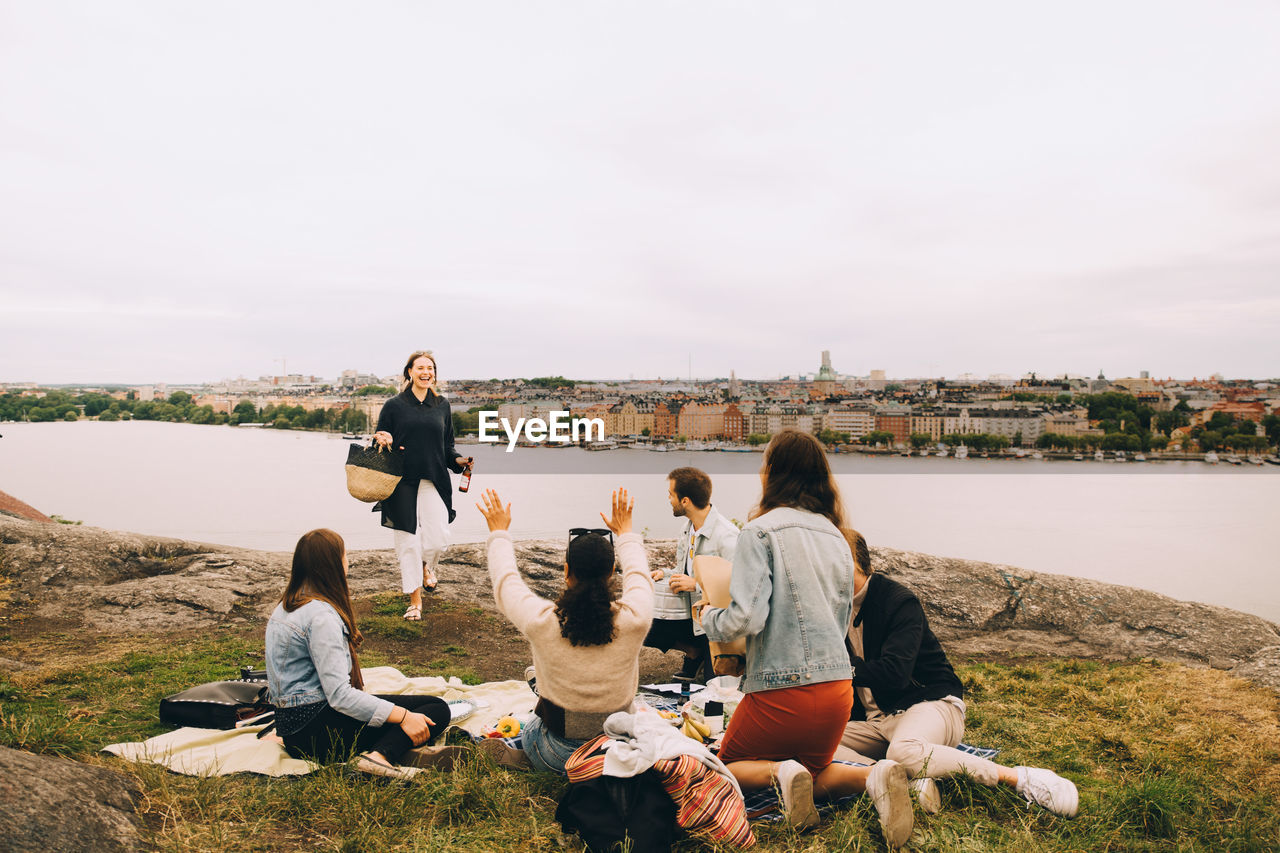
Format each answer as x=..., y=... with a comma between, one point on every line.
x=1192, y=531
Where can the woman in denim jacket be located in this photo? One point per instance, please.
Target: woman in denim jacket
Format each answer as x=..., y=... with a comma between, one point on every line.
x=313, y=672
x=792, y=592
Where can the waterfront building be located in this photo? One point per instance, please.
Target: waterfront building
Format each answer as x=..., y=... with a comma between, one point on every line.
x=928, y=422
x=896, y=419
x=666, y=416
x=856, y=419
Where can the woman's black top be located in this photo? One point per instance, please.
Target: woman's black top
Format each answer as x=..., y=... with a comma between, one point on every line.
x=425, y=430
x=904, y=663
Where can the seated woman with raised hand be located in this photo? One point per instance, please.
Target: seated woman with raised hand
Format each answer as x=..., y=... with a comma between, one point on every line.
x=586, y=644
x=313, y=672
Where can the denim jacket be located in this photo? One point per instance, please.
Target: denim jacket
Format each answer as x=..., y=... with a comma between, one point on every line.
x=718, y=537
x=308, y=661
x=792, y=591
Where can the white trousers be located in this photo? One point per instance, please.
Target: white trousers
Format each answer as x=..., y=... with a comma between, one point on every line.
x=922, y=739
x=422, y=549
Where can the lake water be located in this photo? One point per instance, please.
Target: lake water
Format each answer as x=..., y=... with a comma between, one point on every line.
x=1189, y=530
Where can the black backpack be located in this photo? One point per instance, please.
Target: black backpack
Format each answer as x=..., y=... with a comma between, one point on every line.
x=216, y=705
x=605, y=810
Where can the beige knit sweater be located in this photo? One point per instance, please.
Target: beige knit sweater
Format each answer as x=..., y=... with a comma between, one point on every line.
x=579, y=678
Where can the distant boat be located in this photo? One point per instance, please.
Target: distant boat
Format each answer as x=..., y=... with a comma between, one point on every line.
x=941, y=453
x=1120, y=456
x=962, y=452
x=607, y=444
x=1211, y=458
x=1271, y=460
x=1079, y=457
x=1255, y=460
x=1234, y=460
x=1037, y=455
x=1099, y=456
x=1020, y=454
x=1139, y=457
x=924, y=451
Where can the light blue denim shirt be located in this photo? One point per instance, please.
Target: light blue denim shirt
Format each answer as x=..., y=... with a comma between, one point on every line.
x=718, y=537
x=792, y=590
x=308, y=661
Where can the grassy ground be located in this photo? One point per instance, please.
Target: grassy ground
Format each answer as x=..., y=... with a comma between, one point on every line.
x=1167, y=758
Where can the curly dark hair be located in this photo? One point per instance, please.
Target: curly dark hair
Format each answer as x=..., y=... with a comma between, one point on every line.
x=585, y=608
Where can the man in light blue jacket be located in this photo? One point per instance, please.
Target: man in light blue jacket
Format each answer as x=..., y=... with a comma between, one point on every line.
x=705, y=531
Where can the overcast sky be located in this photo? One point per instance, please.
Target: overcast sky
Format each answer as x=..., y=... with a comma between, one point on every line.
x=191, y=191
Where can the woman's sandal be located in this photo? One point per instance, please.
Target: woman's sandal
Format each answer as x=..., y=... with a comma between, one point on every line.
x=413, y=613
x=429, y=581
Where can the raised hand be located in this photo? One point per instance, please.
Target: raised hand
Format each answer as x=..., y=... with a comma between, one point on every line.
x=622, y=505
x=497, y=516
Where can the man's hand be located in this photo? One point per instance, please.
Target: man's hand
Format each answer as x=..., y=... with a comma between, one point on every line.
x=656, y=574
x=699, y=606
x=498, y=516
x=682, y=583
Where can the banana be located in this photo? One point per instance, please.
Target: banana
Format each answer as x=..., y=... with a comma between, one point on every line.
x=691, y=731
x=703, y=730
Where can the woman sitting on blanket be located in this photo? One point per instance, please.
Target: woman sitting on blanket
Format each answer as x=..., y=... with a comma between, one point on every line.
x=585, y=644
x=313, y=671
x=792, y=589
x=908, y=702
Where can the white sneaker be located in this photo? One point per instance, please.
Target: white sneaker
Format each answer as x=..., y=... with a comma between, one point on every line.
x=1048, y=789
x=530, y=677
x=887, y=787
x=795, y=789
x=927, y=794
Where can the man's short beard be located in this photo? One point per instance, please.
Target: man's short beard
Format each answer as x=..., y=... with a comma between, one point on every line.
x=678, y=511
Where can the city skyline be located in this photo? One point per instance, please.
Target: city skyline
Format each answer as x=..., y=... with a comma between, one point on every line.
x=640, y=190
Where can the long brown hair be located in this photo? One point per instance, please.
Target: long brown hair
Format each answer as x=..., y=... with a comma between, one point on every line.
x=797, y=475
x=317, y=575
x=408, y=363
x=585, y=608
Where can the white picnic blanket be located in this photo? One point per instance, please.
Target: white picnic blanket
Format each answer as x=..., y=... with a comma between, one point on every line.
x=214, y=752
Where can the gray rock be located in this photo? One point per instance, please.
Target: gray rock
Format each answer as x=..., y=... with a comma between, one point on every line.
x=1263, y=668
x=52, y=805
x=127, y=583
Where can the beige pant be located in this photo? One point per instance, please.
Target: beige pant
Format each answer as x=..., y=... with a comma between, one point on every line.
x=922, y=739
x=423, y=547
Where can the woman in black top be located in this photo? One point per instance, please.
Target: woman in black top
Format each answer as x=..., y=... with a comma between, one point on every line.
x=419, y=422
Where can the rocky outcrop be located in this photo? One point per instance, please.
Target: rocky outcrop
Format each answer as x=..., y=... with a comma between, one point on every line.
x=52, y=805
x=11, y=506
x=123, y=582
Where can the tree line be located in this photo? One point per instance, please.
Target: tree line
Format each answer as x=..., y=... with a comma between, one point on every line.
x=180, y=407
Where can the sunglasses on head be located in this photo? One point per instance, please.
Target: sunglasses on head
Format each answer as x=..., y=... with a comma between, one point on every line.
x=575, y=532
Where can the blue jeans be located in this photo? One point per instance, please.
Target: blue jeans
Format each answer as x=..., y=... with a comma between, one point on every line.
x=546, y=750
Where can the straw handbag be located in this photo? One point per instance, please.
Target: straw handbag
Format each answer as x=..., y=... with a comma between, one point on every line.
x=373, y=472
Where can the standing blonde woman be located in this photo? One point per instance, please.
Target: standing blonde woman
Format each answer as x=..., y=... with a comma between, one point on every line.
x=419, y=422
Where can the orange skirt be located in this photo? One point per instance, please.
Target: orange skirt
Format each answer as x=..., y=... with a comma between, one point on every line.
x=801, y=723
